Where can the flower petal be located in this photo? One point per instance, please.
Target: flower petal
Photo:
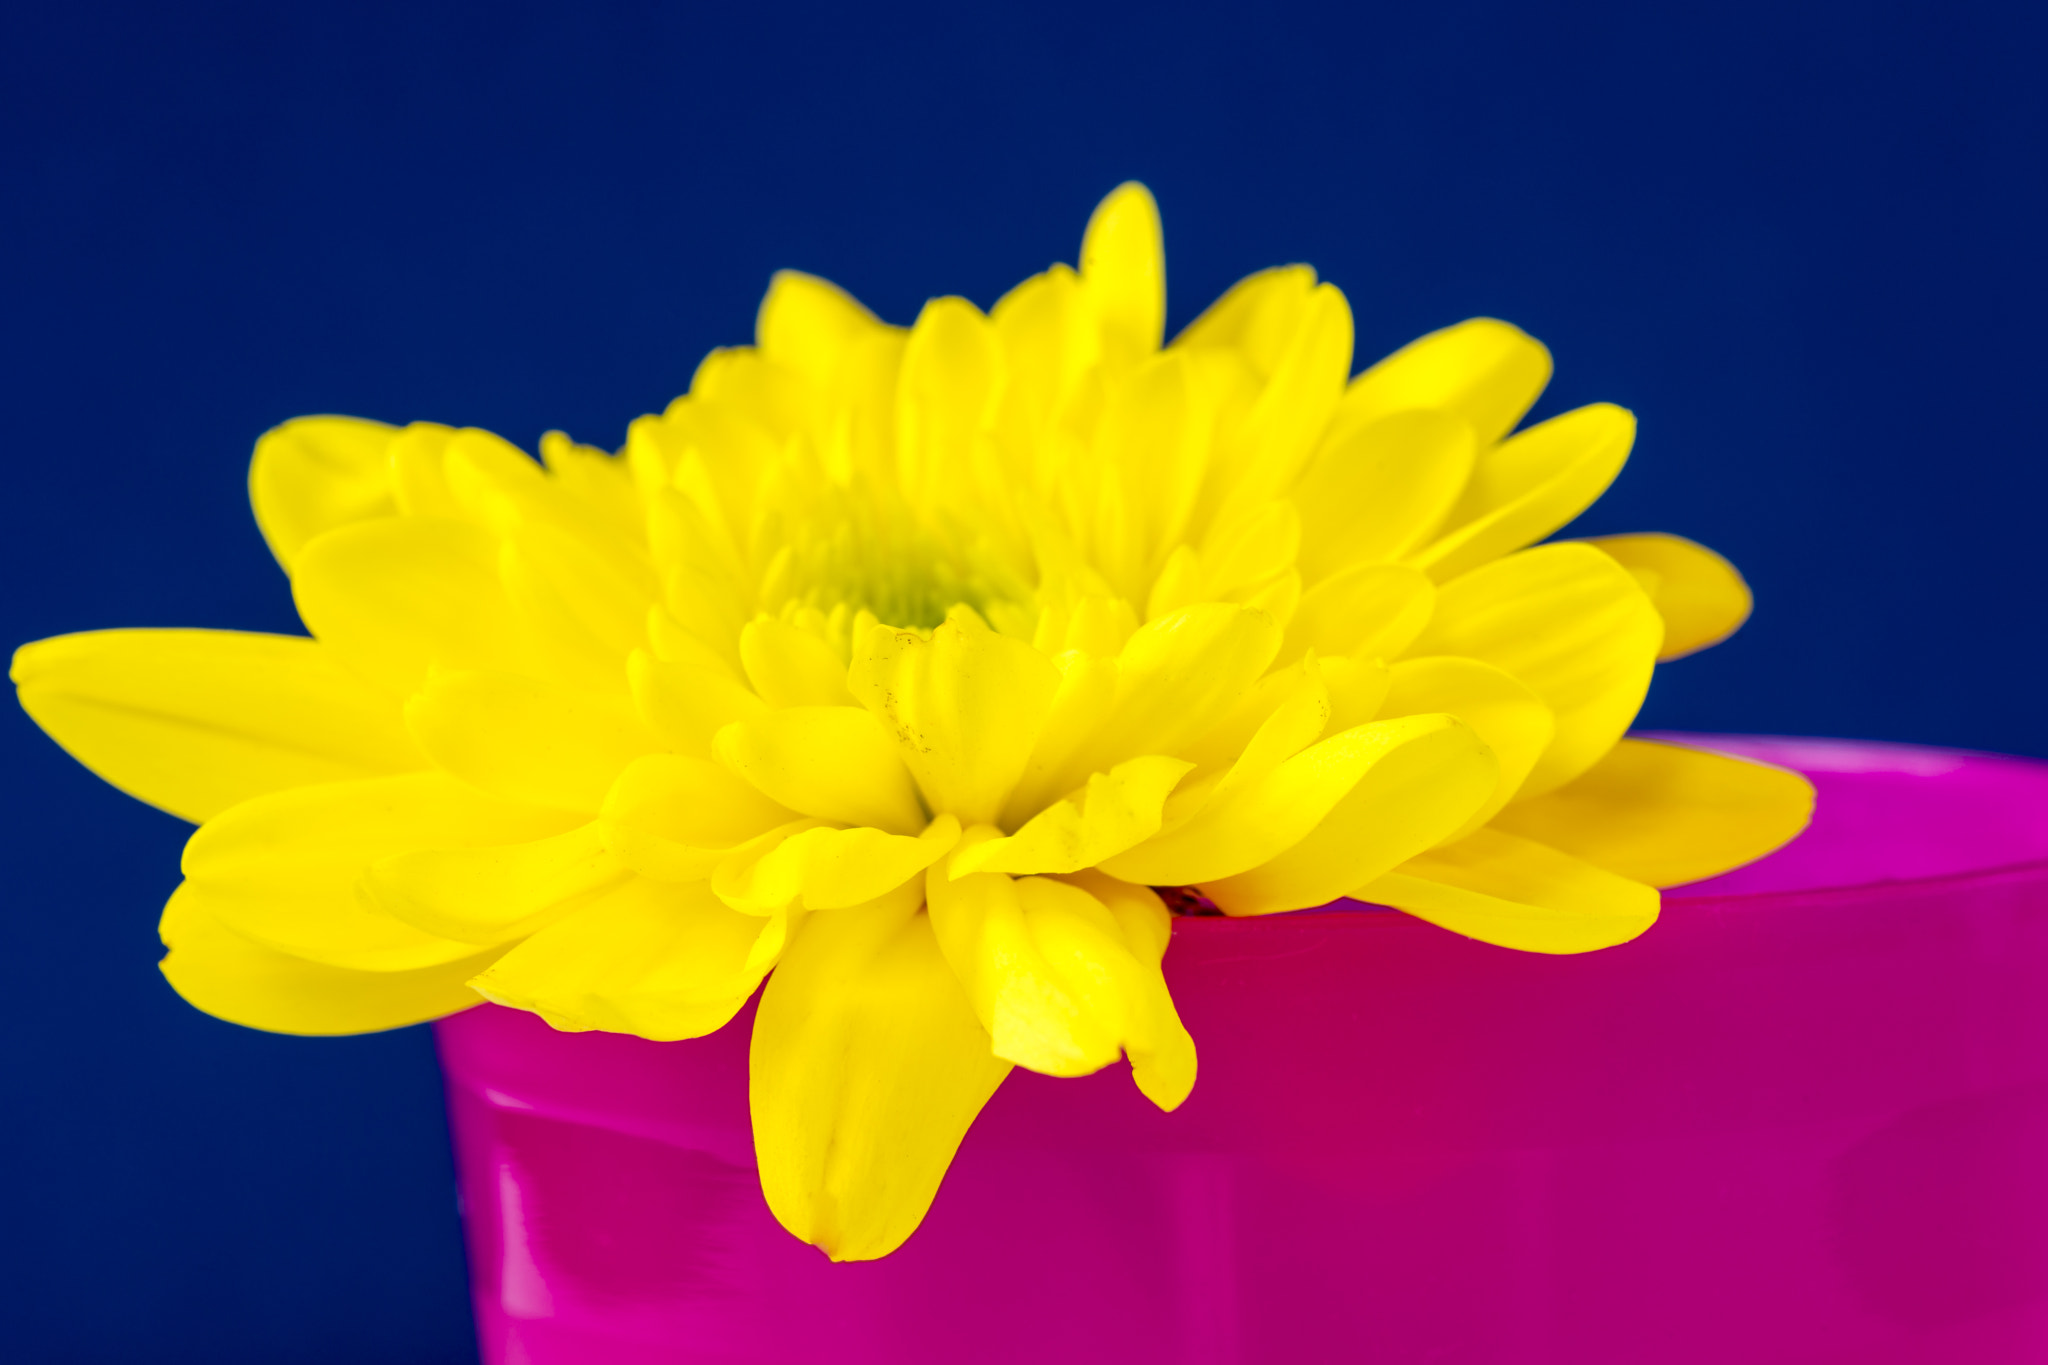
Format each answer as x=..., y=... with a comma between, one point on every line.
x=687, y=704
x=243, y=982
x=312, y=474
x=1378, y=491
x=867, y=1067
x=828, y=869
x=1280, y=432
x=792, y=667
x=965, y=707
x=662, y=960
x=1123, y=266
x=1368, y=611
x=1429, y=775
x=526, y=740
x=1665, y=814
x=396, y=597
x=195, y=721
x=1517, y=893
x=951, y=381
x=675, y=818
x=1573, y=626
x=1115, y=810
x=1700, y=595
x=833, y=762
x=1509, y=719
x=1529, y=485
x=808, y=325
x=1161, y=1052
x=1256, y=317
x=286, y=869
x=1485, y=371
x=494, y=894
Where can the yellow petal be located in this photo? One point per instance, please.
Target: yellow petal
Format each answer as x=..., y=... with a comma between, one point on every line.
x=1484, y=371
x=660, y=960
x=312, y=474
x=1087, y=691
x=1528, y=486
x=829, y=869
x=792, y=667
x=833, y=762
x=867, y=1066
x=808, y=324
x=675, y=817
x=585, y=610
x=951, y=381
x=1256, y=317
x=1161, y=1052
x=492, y=895
x=1114, y=811
x=1281, y=431
x=687, y=704
x=1700, y=595
x=1517, y=893
x=236, y=979
x=526, y=741
x=395, y=597
x=1430, y=775
x=287, y=869
x=1570, y=624
x=965, y=707
x=1177, y=678
x=194, y=721
x=1368, y=611
x=1509, y=719
x=1665, y=814
x=1123, y=265
x=1379, y=491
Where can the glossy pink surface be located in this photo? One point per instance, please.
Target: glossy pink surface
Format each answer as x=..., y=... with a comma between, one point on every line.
x=1804, y=1119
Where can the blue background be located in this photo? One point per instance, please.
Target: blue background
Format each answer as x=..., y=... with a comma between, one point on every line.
x=1804, y=242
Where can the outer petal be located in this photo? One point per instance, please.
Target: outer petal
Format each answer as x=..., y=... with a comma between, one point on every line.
x=1420, y=791
x=525, y=740
x=688, y=703
x=868, y=1065
x=1485, y=371
x=285, y=869
x=827, y=869
x=1114, y=811
x=1509, y=718
x=808, y=325
x=965, y=708
x=1161, y=1052
x=397, y=597
x=660, y=960
x=833, y=762
x=1378, y=491
x=1281, y=430
x=194, y=721
x=1515, y=892
x=1528, y=486
x=1256, y=317
x=312, y=474
x=1665, y=814
x=243, y=982
x=1700, y=595
x=792, y=667
x=1368, y=611
x=1573, y=626
x=1123, y=265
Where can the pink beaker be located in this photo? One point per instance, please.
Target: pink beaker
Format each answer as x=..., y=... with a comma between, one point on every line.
x=1805, y=1118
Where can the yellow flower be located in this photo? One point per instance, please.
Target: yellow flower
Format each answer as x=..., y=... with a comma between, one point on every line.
x=902, y=665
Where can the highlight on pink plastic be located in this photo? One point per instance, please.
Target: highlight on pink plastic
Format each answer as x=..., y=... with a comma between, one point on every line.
x=1803, y=1119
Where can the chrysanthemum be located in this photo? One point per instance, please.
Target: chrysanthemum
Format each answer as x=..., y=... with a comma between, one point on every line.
x=901, y=668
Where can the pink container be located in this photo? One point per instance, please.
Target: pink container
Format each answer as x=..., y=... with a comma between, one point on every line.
x=1804, y=1119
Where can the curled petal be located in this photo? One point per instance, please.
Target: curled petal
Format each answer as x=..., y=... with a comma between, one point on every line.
x=1503, y=889
x=835, y=763
x=1114, y=811
x=826, y=869
x=1485, y=371
x=1422, y=787
x=675, y=818
x=1509, y=719
x=1666, y=814
x=867, y=1066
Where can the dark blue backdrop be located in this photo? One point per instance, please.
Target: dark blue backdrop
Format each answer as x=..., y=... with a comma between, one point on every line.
x=1803, y=242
